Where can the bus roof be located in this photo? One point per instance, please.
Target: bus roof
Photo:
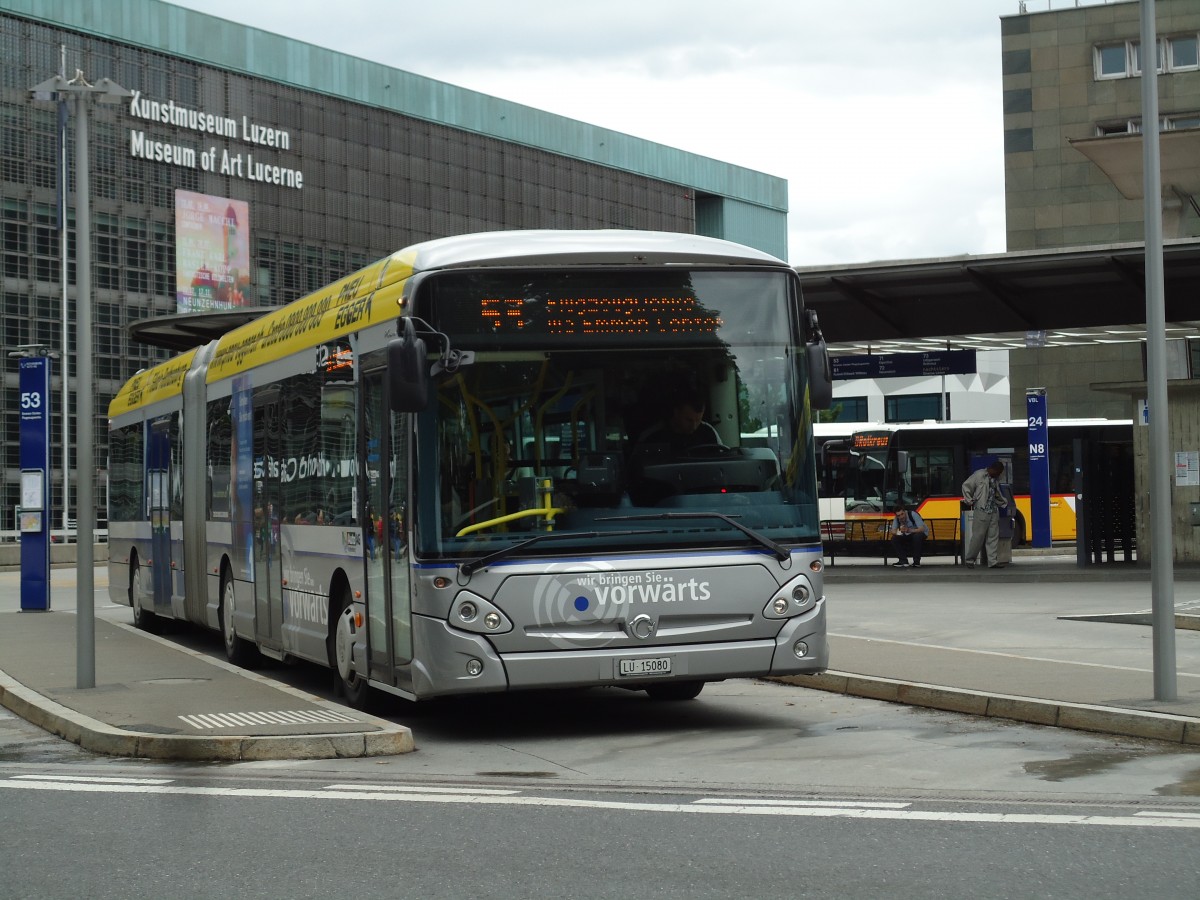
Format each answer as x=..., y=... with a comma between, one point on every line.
x=582, y=247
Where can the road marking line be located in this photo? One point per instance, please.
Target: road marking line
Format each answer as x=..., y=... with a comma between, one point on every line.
x=1068, y=662
x=835, y=804
x=417, y=789
x=1169, y=814
x=95, y=779
x=478, y=798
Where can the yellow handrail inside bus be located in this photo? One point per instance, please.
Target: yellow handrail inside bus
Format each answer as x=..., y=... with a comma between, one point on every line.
x=547, y=511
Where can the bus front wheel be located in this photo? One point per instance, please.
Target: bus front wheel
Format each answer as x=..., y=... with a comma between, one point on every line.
x=347, y=682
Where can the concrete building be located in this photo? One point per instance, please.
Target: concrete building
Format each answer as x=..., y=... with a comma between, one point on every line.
x=248, y=169
x=1072, y=168
x=1071, y=81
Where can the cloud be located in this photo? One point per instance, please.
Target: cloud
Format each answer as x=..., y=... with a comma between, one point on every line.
x=884, y=117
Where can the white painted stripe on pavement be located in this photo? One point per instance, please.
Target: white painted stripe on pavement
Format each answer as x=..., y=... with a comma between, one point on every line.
x=476, y=797
x=1069, y=662
x=1170, y=814
x=95, y=779
x=835, y=804
x=419, y=789
x=207, y=721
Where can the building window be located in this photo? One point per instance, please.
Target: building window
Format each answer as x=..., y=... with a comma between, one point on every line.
x=1189, y=120
x=1135, y=55
x=1178, y=53
x=1112, y=61
x=1134, y=126
x=912, y=407
x=847, y=409
x=1184, y=52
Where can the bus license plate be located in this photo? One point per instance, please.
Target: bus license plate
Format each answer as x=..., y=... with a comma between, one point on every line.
x=657, y=665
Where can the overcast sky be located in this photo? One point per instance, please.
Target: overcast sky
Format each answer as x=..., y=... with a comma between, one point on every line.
x=884, y=116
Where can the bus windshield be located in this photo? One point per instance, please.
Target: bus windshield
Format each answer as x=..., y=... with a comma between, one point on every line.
x=604, y=405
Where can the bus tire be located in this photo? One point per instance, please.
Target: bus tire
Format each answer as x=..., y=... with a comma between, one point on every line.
x=238, y=651
x=143, y=619
x=352, y=686
x=1019, y=536
x=675, y=690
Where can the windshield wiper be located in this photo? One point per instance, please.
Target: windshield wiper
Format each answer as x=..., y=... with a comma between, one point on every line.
x=470, y=568
x=780, y=552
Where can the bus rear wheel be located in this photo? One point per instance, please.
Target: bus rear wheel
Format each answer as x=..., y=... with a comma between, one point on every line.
x=143, y=619
x=238, y=651
x=675, y=690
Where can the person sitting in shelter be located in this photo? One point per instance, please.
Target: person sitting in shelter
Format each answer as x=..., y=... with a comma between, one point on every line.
x=908, y=535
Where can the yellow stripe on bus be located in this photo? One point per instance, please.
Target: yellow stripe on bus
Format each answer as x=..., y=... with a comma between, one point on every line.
x=158, y=383
x=1062, y=513
x=368, y=296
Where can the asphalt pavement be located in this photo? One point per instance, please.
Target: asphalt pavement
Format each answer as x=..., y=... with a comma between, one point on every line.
x=154, y=698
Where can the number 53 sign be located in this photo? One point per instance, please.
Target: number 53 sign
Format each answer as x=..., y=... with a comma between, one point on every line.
x=35, y=482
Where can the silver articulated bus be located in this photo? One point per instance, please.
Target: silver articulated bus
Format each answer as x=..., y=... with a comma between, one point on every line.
x=465, y=468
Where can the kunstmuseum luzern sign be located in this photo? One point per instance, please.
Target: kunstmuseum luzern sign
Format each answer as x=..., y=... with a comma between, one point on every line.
x=234, y=163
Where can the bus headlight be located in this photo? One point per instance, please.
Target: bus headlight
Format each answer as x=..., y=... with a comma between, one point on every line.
x=471, y=612
x=795, y=597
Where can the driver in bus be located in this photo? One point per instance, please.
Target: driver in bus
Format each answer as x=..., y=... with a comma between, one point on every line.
x=684, y=427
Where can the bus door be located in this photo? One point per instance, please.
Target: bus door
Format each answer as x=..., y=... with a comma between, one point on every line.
x=268, y=575
x=384, y=451
x=158, y=473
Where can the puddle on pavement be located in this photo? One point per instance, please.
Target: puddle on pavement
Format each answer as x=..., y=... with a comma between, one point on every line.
x=1106, y=762
x=1188, y=787
x=1081, y=765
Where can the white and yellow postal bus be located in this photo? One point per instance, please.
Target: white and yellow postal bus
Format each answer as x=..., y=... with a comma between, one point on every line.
x=458, y=470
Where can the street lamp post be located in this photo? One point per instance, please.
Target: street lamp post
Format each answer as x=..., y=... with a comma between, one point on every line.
x=81, y=95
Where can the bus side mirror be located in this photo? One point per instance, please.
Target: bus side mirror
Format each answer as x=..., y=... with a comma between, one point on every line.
x=408, y=372
x=820, y=376
x=820, y=373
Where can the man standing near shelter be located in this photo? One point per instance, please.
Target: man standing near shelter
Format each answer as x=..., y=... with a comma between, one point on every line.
x=982, y=495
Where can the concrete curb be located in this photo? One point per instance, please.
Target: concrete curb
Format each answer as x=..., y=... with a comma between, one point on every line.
x=100, y=737
x=1077, y=716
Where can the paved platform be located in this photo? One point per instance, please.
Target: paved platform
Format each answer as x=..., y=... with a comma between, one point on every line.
x=1089, y=696
x=155, y=698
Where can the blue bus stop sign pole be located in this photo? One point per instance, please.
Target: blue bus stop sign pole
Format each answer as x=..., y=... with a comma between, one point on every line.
x=34, y=512
x=1039, y=467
